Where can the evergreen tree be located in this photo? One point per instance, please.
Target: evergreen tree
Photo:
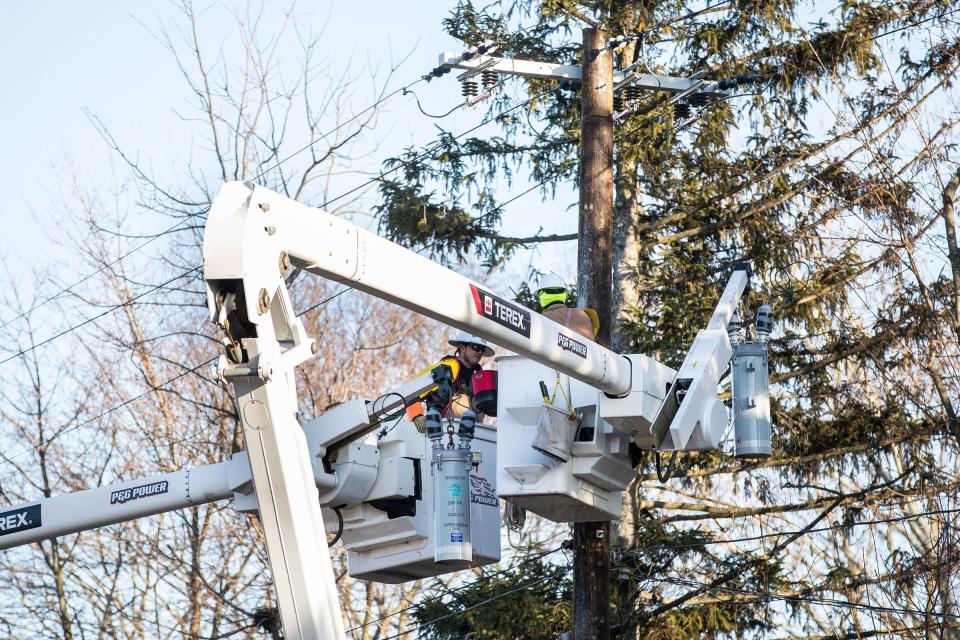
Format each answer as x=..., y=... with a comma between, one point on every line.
x=834, y=173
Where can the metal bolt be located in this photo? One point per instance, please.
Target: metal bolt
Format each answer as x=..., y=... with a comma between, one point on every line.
x=264, y=301
x=264, y=207
x=270, y=230
x=284, y=263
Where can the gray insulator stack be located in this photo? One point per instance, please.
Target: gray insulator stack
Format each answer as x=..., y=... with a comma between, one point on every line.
x=469, y=88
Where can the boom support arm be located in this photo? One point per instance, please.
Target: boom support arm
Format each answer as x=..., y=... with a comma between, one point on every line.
x=110, y=504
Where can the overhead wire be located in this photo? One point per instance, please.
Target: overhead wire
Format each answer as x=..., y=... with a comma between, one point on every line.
x=430, y=115
x=915, y=24
x=483, y=578
x=96, y=317
x=613, y=43
x=832, y=602
x=154, y=388
x=477, y=605
x=655, y=547
x=97, y=272
x=438, y=145
x=779, y=534
x=404, y=89
x=401, y=90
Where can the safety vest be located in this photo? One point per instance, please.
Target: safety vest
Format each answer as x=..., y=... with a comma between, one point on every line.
x=461, y=381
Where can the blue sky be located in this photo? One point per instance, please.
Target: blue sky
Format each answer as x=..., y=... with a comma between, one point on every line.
x=65, y=58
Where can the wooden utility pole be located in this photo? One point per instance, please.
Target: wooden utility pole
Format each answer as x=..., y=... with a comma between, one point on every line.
x=591, y=540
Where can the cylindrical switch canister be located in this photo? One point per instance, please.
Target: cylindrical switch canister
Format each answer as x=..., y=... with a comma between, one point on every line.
x=451, y=474
x=751, y=400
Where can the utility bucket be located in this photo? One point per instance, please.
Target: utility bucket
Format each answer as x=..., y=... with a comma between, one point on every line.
x=556, y=431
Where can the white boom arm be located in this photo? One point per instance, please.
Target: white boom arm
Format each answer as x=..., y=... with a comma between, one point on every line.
x=98, y=507
x=252, y=238
x=695, y=385
x=251, y=231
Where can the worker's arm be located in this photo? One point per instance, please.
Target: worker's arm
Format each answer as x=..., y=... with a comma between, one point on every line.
x=444, y=373
x=577, y=320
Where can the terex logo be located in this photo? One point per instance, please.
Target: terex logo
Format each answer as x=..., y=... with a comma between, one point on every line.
x=135, y=493
x=20, y=520
x=504, y=313
x=573, y=346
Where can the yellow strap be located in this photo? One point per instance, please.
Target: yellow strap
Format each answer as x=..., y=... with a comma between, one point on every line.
x=559, y=385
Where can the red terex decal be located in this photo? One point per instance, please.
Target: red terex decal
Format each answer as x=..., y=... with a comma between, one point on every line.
x=476, y=299
x=503, y=312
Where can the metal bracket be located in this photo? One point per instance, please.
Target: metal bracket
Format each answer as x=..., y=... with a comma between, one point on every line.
x=553, y=71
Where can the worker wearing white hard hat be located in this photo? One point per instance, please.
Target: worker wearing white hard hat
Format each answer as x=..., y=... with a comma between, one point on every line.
x=552, y=296
x=464, y=339
x=469, y=351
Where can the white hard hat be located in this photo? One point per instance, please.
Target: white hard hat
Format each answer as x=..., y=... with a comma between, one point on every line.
x=468, y=338
x=551, y=281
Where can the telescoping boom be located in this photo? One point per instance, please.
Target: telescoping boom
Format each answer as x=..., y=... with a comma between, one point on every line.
x=249, y=226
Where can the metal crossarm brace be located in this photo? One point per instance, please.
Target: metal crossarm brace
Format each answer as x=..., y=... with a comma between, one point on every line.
x=573, y=73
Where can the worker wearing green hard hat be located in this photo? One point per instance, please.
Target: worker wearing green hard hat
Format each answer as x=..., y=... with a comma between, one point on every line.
x=552, y=296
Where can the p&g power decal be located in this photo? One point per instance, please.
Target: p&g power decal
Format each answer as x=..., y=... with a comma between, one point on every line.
x=506, y=314
x=575, y=347
x=135, y=493
x=20, y=519
x=482, y=492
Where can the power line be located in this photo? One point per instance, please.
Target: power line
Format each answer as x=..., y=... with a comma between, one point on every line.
x=690, y=583
x=833, y=602
x=778, y=534
x=96, y=317
x=437, y=146
x=462, y=587
x=161, y=386
x=404, y=89
x=117, y=407
x=613, y=43
x=437, y=241
x=914, y=24
x=98, y=271
x=453, y=614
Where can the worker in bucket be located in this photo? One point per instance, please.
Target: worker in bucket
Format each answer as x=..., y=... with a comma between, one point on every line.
x=456, y=393
x=553, y=300
x=558, y=422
